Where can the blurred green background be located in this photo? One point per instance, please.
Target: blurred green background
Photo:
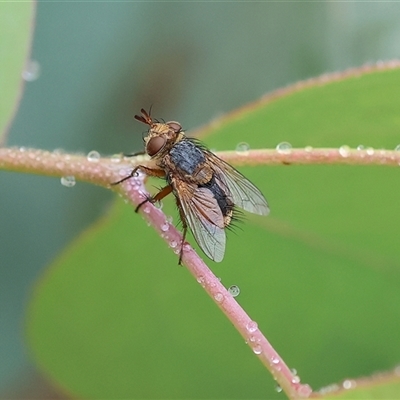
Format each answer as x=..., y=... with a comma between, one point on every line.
x=101, y=62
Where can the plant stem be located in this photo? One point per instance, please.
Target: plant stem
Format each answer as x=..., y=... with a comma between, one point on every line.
x=104, y=171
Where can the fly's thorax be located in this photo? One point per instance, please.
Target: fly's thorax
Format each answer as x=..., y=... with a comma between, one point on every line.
x=187, y=159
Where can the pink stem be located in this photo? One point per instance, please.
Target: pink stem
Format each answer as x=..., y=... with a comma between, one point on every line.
x=286, y=379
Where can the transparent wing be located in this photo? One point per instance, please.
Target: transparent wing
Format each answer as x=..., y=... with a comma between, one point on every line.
x=204, y=218
x=244, y=194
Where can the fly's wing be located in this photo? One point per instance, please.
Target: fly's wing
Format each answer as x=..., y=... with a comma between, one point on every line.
x=204, y=218
x=244, y=194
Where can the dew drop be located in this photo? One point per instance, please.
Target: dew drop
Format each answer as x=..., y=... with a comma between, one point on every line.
x=68, y=181
x=242, y=148
x=308, y=149
x=293, y=371
x=234, y=290
x=296, y=379
x=173, y=244
x=170, y=219
x=349, y=384
x=202, y=281
x=370, y=151
x=251, y=326
x=284, y=148
x=360, y=147
x=93, y=156
x=123, y=172
x=165, y=227
x=397, y=148
x=344, y=151
x=278, y=389
x=257, y=349
x=116, y=158
x=157, y=204
x=146, y=209
x=275, y=360
x=304, y=391
x=32, y=71
x=218, y=297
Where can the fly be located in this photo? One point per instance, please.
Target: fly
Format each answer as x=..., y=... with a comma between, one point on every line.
x=207, y=190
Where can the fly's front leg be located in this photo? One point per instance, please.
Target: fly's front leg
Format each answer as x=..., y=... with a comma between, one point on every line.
x=159, y=173
x=149, y=171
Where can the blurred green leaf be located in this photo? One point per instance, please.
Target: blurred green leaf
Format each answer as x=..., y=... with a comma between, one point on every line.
x=16, y=24
x=115, y=317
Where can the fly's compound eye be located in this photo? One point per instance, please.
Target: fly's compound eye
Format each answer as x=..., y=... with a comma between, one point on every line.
x=175, y=126
x=154, y=145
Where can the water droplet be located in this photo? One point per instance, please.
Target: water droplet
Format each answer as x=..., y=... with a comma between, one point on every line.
x=349, y=384
x=218, y=297
x=173, y=243
x=252, y=326
x=296, y=379
x=278, y=389
x=146, y=209
x=344, y=151
x=158, y=204
x=93, y=156
x=234, y=290
x=275, y=360
x=370, y=151
x=165, y=227
x=116, y=158
x=123, y=172
x=242, y=148
x=397, y=148
x=257, y=349
x=68, y=181
x=360, y=147
x=170, y=219
x=304, y=391
x=32, y=71
x=201, y=280
x=284, y=148
x=293, y=371
x=308, y=149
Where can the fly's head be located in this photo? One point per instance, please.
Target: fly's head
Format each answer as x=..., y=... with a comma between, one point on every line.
x=161, y=136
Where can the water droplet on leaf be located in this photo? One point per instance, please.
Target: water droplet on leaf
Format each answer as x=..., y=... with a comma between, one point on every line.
x=68, y=181
x=234, y=290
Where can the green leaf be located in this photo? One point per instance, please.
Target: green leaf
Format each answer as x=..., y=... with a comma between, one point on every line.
x=115, y=317
x=16, y=24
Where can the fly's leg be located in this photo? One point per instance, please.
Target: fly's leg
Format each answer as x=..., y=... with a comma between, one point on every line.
x=165, y=191
x=184, y=228
x=149, y=171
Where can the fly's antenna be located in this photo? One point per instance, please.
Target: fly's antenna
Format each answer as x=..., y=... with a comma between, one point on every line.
x=145, y=117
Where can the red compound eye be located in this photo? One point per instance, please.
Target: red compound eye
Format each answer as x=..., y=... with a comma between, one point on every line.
x=154, y=145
